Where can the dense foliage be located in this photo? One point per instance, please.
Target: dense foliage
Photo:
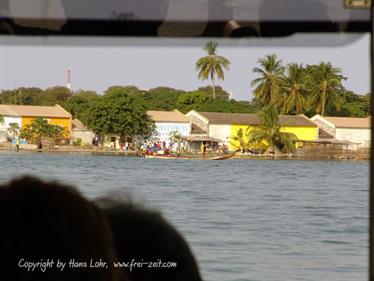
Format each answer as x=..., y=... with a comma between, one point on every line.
x=312, y=89
x=212, y=66
x=119, y=113
x=269, y=133
x=40, y=128
x=35, y=96
x=79, y=103
x=292, y=89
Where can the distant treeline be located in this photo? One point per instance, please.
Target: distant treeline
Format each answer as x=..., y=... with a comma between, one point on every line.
x=78, y=103
x=160, y=98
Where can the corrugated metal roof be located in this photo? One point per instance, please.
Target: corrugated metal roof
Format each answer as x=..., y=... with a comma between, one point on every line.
x=252, y=119
x=167, y=116
x=349, y=122
x=33, y=111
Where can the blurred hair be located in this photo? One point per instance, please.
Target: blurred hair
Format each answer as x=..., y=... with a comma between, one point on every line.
x=142, y=235
x=47, y=220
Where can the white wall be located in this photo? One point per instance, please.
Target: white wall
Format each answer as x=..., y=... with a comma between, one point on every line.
x=84, y=135
x=361, y=136
x=222, y=132
x=197, y=119
x=9, y=120
x=164, y=129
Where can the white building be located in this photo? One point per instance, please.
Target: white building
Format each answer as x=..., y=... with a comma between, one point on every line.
x=354, y=130
x=9, y=121
x=80, y=131
x=223, y=126
x=168, y=122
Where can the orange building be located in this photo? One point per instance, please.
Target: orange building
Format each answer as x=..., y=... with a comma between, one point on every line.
x=25, y=114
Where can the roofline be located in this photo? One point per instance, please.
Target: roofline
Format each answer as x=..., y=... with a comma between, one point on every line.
x=317, y=116
x=199, y=114
x=172, y=121
x=307, y=118
x=176, y=110
x=168, y=121
x=365, y=128
x=338, y=126
x=59, y=106
x=42, y=116
x=242, y=124
x=312, y=125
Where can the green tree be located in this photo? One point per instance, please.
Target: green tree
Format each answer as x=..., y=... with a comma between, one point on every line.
x=40, y=128
x=269, y=84
x=162, y=98
x=212, y=65
x=120, y=114
x=28, y=96
x=22, y=96
x=56, y=132
x=55, y=95
x=193, y=97
x=294, y=89
x=269, y=132
x=220, y=93
x=353, y=106
x=176, y=137
x=130, y=90
x=79, y=104
x=240, y=140
x=325, y=86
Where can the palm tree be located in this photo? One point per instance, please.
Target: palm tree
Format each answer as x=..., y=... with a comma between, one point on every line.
x=13, y=130
x=269, y=84
x=212, y=65
x=326, y=88
x=294, y=89
x=240, y=140
x=176, y=137
x=269, y=132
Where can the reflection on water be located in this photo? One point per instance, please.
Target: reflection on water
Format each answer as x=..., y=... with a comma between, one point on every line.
x=245, y=220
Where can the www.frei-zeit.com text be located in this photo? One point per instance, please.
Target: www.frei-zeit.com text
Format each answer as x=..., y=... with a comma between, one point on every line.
x=44, y=265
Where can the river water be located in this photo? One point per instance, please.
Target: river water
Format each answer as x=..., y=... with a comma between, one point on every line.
x=253, y=220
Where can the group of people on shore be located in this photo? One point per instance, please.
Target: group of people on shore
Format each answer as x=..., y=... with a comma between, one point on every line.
x=51, y=232
x=150, y=147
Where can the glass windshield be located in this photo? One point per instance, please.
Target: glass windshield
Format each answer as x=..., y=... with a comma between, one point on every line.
x=133, y=108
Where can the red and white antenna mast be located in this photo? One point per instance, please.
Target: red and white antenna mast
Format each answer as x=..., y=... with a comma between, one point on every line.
x=69, y=79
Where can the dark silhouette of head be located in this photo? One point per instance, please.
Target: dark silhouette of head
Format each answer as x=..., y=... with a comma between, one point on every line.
x=145, y=236
x=41, y=222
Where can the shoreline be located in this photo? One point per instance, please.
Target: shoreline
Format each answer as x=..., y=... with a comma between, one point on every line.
x=296, y=157
x=131, y=153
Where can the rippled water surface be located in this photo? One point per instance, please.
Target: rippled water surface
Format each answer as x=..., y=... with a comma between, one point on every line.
x=245, y=220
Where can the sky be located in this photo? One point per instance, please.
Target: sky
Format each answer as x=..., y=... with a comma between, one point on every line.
x=99, y=62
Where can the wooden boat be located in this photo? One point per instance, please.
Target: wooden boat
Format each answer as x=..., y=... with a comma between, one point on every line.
x=157, y=156
x=223, y=157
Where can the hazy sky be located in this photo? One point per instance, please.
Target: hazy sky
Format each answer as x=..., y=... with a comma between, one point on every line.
x=98, y=63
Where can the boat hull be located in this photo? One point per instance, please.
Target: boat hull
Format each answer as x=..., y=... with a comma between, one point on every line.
x=223, y=157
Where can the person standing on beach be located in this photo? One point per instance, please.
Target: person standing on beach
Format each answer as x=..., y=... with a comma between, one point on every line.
x=203, y=150
x=17, y=144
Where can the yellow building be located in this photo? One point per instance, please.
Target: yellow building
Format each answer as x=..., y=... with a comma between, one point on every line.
x=25, y=114
x=224, y=126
